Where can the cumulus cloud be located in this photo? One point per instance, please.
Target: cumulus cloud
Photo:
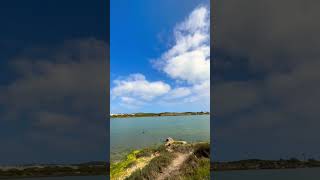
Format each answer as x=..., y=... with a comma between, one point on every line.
x=135, y=89
x=266, y=77
x=178, y=93
x=189, y=58
x=186, y=62
x=59, y=94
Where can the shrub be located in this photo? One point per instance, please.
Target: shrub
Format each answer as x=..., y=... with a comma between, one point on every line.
x=202, y=150
x=156, y=166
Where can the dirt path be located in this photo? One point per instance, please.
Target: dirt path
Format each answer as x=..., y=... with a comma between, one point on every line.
x=174, y=166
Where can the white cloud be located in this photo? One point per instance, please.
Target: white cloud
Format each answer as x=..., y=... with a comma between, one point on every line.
x=136, y=86
x=200, y=94
x=178, y=93
x=189, y=58
x=193, y=66
x=196, y=95
x=187, y=62
x=131, y=103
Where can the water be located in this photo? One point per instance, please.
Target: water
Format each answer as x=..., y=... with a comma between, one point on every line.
x=134, y=133
x=290, y=174
x=69, y=178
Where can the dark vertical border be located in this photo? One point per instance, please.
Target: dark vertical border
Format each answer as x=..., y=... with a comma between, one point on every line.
x=107, y=90
x=212, y=43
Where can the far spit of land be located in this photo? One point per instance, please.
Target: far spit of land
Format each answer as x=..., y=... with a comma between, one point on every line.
x=127, y=115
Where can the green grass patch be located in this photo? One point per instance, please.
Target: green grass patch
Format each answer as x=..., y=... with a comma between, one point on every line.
x=194, y=168
x=197, y=166
x=147, y=152
x=116, y=169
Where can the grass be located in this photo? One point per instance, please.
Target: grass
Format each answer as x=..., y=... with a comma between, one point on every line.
x=202, y=150
x=147, y=152
x=155, y=166
x=197, y=166
x=117, y=169
x=183, y=148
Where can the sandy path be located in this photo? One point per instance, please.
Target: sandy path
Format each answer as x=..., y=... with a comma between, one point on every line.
x=174, y=166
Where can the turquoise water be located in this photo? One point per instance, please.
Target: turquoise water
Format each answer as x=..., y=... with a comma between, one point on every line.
x=134, y=133
x=290, y=174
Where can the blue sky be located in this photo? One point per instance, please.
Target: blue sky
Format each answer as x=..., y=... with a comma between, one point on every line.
x=142, y=33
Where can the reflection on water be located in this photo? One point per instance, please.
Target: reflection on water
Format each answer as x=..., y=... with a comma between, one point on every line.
x=133, y=133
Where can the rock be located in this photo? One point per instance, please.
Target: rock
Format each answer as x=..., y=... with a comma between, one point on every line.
x=169, y=141
x=182, y=142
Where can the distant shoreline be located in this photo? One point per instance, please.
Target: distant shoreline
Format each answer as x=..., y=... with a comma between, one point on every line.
x=257, y=164
x=38, y=171
x=158, y=114
x=48, y=176
x=102, y=168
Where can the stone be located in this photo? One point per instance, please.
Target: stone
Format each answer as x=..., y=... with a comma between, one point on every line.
x=169, y=141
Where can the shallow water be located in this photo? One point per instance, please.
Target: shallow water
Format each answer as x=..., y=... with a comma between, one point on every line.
x=133, y=133
x=290, y=174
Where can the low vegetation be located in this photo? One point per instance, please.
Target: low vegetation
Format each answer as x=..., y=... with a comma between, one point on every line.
x=265, y=164
x=195, y=166
x=156, y=166
x=86, y=169
x=135, y=161
x=118, y=169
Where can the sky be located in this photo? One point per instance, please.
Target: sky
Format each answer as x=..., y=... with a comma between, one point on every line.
x=52, y=81
x=266, y=79
x=160, y=56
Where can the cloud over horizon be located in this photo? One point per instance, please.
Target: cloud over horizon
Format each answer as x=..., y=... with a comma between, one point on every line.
x=57, y=97
x=267, y=56
x=186, y=63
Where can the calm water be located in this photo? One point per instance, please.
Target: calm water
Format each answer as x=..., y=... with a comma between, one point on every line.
x=70, y=178
x=290, y=174
x=133, y=133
